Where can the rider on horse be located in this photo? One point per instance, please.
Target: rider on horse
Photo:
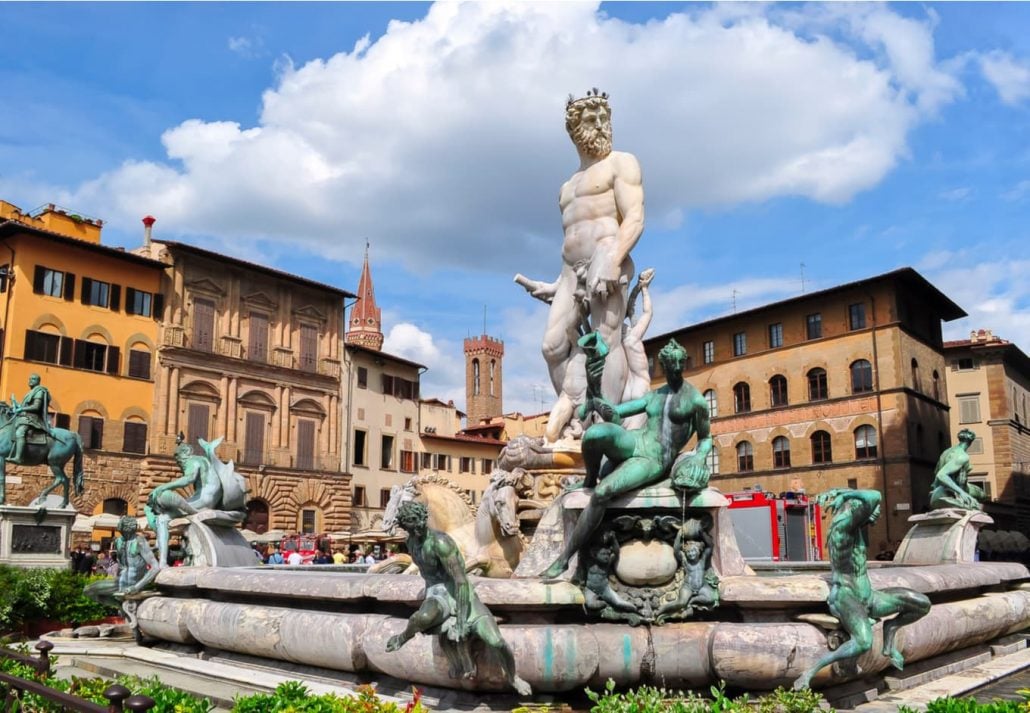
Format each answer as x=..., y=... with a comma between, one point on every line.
x=31, y=413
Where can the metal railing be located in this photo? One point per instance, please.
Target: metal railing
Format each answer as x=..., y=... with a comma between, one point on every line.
x=13, y=688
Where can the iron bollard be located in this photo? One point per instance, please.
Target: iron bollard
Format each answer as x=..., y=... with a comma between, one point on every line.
x=139, y=704
x=43, y=665
x=115, y=695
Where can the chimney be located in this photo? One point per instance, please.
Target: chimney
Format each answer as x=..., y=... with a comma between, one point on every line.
x=148, y=227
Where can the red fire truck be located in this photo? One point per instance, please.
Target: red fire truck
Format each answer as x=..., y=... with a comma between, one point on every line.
x=307, y=545
x=775, y=528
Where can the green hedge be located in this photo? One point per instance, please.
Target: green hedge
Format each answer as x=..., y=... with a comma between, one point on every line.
x=34, y=594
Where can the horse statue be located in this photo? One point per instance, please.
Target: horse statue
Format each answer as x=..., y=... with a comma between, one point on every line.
x=488, y=537
x=59, y=446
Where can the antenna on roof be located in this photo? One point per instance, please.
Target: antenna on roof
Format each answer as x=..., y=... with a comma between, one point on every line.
x=484, y=320
x=802, y=278
x=734, y=300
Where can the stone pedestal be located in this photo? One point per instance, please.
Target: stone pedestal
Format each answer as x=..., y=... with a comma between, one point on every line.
x=943, y=536
x=27, y=541
x=215, y=541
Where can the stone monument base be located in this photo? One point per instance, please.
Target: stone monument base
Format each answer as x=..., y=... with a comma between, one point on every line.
x=942, y=536
x=26, y=540
x=215, y=541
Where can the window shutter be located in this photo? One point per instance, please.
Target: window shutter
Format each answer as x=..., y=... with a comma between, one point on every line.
x=113, y=360
x=159, y=306
x=30, y=344
x=79, y=360
x=98, y=433
x=85, y=430
x=305, y=444
x=65, y=357
x=196, y=423
x=254, y=447
x=69, y=286
x=87, y=287
x=37, y=279
x=130, y=301
x=116, y=297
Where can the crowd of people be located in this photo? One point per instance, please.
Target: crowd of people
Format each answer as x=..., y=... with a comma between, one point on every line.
x=274, y=554
x=85, y=561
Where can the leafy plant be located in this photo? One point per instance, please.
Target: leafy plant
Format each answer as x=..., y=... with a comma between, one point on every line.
x=34, y=594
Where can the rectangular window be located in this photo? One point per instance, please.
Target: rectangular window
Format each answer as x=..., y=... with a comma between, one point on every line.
x=360, y=447
x=91, y=430
x=441, y=462
x=44, y=347
x=976, y=447
x=966, y=364
x=709, y=352
x=407, y=461
x=362, y=377
x=427, y=461
x=980, y=480
x=969, y=409
x=139, y=302
x=139, y=364
x=814, y=325
x=407, y=423
x=100, y=294
x=254, y=439
x=359, y=496
x=203, y=325
x=308, y=521
x=488, y=466
x=135, y=437
x=856, y=316
x=51, y=283
x=386, y=454
x=384, y=497
x=775, y=335
x=257, y=339
x=305, y=444
x=308, y=348
x=853, y=483
x=465, y=465
x=740, y=344
x=198, y=416
x=90, y=355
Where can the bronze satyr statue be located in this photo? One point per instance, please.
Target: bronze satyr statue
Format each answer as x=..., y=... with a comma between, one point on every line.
x=951, y=488
x=852, y=598
x=137, y=567
x=451, y=608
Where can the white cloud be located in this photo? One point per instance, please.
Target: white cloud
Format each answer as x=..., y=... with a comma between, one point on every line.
x=1019, y=192
x=445, y=378
x=1009, y=75
x=247, y=47
x=956, y=195
x=995, y=293
x=443, y=140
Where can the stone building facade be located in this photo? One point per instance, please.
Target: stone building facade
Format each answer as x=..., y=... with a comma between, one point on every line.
x=989, y=391
x=253, y=355
x=484, y=394
x=845, y=387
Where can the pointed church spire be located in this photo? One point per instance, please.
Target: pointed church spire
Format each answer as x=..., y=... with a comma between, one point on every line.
x=366, y=327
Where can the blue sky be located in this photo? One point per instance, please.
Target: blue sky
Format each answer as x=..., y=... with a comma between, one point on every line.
x=852, y=138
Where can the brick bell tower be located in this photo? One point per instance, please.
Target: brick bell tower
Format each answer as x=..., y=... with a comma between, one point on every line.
x=366, y=323
x=483, y=391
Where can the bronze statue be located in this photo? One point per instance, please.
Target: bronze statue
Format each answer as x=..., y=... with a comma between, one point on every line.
x=699, y=590
x=951, y=488
x=137, y=567
x=216, y=486
x=26, y=438
x=597, y=590
x=642, y=457
x=451, y=608
x=852, y=598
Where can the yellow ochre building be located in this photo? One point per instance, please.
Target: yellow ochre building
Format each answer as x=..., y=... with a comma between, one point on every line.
x=84, y=317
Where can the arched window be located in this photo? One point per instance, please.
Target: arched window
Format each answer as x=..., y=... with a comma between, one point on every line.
x=781, y=452
x=778, y=390
x=741, y=398
x=257, y=516
x=493, y=367
x=817, y=390
x=861, y=377
x=713, y=403
x=821, y=449
x=865, y=442
x=713, y=461
x=475, y=377
x=745, y=457
x=936, y=385
x=915, y=375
